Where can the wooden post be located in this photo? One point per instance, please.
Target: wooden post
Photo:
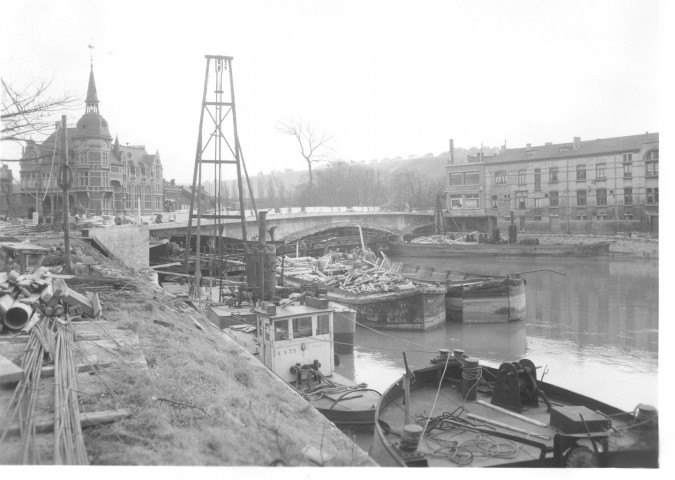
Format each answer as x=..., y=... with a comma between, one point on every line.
x=66, y=200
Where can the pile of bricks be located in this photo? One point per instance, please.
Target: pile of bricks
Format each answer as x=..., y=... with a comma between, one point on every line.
x=25, y=299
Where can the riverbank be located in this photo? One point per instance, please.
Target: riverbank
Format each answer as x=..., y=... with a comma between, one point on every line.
x=634, y=246
x=195, y=396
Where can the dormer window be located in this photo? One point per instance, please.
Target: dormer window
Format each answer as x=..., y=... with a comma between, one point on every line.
x=564, y=149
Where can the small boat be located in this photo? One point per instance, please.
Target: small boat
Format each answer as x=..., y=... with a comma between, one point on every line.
x=473, y=297
x=458, y=412
x=464, y=249
x=296, y=342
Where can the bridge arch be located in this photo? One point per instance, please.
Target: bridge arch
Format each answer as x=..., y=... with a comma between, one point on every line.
x=326, y=227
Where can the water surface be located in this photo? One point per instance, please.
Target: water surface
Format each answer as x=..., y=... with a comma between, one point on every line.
x=594, y=329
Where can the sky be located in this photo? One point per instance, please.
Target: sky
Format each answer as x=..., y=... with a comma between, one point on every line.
x=385, y=79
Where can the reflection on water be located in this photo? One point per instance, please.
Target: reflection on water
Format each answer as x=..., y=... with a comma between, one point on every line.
x=595, y=328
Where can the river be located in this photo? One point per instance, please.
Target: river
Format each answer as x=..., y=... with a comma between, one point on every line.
x=593, y=330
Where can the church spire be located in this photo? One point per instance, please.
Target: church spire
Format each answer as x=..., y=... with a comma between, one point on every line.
x=92, y=97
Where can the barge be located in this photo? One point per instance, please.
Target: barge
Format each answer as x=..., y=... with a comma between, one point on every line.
x=458, y=412
x=457, y=249
x=420, y=308
x=473, y=297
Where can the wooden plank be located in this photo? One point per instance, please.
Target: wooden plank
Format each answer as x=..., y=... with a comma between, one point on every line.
x=87, y=419
x=166, y=265
x=48, y=371
x=9, y=372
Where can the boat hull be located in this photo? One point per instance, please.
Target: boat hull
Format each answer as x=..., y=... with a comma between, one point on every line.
x=539, y=446
x=419, y=309
x=400, y=249
x=494, y=301
x=474, y=298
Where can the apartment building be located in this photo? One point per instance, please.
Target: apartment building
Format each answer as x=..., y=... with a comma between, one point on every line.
x=594, y=186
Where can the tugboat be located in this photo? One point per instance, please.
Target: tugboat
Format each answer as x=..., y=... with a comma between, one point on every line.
x=294, y=337
x=457, y=412
x=295, y=341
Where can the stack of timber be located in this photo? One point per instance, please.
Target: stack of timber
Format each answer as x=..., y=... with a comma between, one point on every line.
x=40, y=318
x=381, y=297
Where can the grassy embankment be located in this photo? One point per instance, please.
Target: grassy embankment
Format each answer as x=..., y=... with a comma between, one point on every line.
x=202, y=400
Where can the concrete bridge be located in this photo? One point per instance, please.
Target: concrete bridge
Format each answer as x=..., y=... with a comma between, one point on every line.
x=295, y=226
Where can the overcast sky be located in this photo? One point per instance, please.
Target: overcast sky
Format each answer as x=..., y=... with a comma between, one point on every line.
x=388, y=79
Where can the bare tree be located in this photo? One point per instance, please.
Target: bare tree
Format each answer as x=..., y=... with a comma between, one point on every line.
x=30, y=110
x=311, y=143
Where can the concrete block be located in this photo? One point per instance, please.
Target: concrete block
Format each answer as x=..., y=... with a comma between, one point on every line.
x=79, y=301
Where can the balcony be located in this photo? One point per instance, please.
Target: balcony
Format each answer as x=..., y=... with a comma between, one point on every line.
x=89, y=188
x=466, y=212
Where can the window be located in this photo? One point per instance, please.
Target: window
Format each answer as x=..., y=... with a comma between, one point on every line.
x=302, y=327
x=553, y=175
x=600, y=171
x=148, y=198
x=456, y=179
x=104, y=158
x=537, y=179
x=627, y=157
x=323, y=325
x=581, y=198
x=471, y=178
x=281, y=330
x=455, y=201
x=529, y=153
x=553, y=199
x=471, y=200
x=652, y=196
x=522, y=177
x=84, y=179
x=521, y=200
x=581, y=172
x=500, y=176
x=601, y=197
x=537, y=203
x=628, y=196
x=627, y=170
x=82, y=157
x=652, y=164
x=564, y=149
x=494, y=201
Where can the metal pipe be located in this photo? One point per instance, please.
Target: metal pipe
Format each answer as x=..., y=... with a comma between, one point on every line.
x=17, y=316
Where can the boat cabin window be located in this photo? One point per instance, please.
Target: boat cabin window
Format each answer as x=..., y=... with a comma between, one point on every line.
x=323, y=325
x=281, y=330
x=302, y=327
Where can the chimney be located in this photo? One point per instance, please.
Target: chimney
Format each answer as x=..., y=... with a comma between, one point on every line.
x=452, y=151
x=577, y=143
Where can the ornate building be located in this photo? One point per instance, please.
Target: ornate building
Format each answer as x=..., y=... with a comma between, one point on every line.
x=107, y=178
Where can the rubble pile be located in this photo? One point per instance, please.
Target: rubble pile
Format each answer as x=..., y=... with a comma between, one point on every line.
x=378, y=277
x=26, y=299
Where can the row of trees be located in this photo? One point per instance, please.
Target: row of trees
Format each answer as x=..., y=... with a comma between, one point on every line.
x=343, y=184
x=346, y=184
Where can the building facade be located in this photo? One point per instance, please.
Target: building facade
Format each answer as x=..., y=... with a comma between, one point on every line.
x=107, y=178
x=596, y=186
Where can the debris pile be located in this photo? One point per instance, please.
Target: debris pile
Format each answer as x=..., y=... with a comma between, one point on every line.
x=449, y=239
x=25, y=299
x=40, y=307
x=378, y=277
